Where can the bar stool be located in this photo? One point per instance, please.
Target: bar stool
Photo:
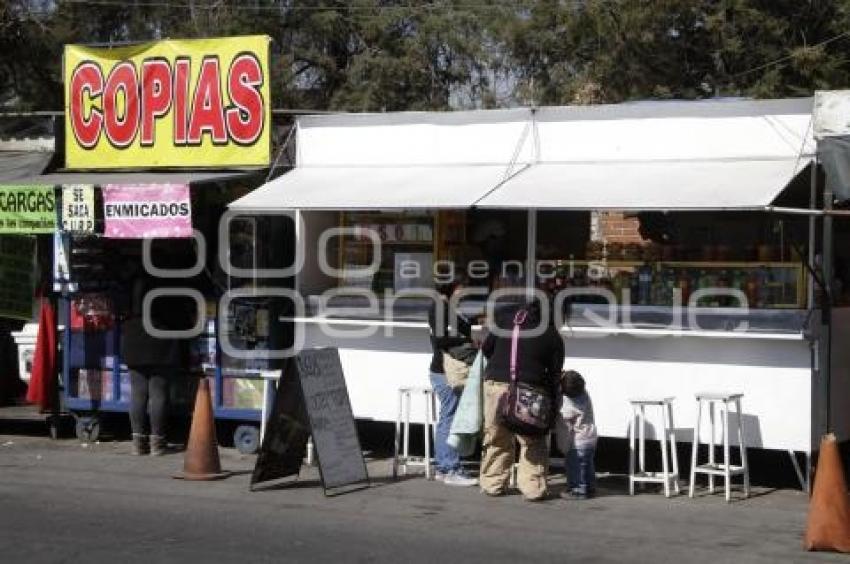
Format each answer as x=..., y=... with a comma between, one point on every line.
x=712, y=468
x=402, y=423
x=664, y=477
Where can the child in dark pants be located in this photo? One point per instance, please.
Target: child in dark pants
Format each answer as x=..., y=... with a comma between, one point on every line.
x=576, y=435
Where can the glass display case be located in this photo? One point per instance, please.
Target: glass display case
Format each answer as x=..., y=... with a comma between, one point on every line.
x=763, y=285
x=406, y=238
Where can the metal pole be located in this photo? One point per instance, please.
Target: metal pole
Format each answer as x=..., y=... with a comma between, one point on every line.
x=531, y=252
x=810, y=304
x=274, y=112
x=813, y=203
x=826, y=260
x=806, y=211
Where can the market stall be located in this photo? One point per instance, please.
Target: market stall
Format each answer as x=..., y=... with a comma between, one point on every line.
x=656, y=221
x=26, y=149
x=96, y=261
x=27, y=221
x=158, y=137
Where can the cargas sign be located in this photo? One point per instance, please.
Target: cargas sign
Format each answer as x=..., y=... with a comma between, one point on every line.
x=192, y=103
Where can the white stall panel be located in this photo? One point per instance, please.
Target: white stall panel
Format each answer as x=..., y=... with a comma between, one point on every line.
x=376, y=367
x=773, y=375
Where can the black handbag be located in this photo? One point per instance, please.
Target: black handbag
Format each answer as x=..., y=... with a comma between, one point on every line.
x=524, y=409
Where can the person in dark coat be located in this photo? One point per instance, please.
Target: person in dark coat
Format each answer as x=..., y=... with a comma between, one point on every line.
x=540, y=358
x=449, y=329
x=153, y=363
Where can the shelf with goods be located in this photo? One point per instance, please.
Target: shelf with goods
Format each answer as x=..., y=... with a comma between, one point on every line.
x=766, y=284
x=452, y=230
x=235, y=382
x=416, y=236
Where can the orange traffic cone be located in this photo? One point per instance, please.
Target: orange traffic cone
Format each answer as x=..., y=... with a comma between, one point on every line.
x=201, y=461
x=828, y=526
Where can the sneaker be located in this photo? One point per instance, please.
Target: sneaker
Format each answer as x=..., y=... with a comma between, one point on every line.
x=459, y=479
x=575, y=494
x=440, y=476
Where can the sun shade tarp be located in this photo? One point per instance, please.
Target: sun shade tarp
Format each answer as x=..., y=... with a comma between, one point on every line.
x=352, y=188
x=684, y=185
x=15, y=165
x=397, y=161
x=717, y=154
x=834, y=153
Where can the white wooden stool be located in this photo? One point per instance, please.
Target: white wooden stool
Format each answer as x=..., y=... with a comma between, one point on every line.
x=725, y=468
x=667, y=432
x=402, y=424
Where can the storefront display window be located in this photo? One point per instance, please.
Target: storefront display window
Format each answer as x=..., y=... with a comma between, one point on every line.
x=654, y=259
x=738, y=260
x=419, y=248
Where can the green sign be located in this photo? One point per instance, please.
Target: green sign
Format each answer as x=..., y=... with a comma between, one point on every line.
x=27, y=209
x=17, y=276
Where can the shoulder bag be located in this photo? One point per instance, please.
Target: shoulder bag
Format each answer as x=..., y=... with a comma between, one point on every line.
x=524, y=409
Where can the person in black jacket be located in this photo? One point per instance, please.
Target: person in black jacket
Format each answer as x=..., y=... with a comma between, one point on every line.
x=540, y=358
x=449, y=329
x=153, y=362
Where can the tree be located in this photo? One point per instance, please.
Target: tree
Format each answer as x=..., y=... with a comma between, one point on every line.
x=365, y=55
x=375, y=55
x=610, y=51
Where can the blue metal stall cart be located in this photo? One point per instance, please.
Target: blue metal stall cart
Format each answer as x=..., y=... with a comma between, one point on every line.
x=92, y=274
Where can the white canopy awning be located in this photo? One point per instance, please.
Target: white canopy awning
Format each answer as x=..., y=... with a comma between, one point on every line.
x=716, y=154
x=15, y=165
x=653, y=185
x=396, y=161
x=359, y=188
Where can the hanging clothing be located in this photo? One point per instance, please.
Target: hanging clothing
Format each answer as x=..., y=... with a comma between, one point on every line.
x=42, y=385
x=466, y=425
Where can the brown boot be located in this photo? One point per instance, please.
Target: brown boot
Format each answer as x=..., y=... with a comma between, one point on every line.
x=158, y=445
x=141, y=444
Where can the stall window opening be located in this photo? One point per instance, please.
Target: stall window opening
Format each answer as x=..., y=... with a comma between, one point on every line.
x=660, y=259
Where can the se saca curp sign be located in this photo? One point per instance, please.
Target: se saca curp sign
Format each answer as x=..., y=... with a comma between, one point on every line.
x=173, y=103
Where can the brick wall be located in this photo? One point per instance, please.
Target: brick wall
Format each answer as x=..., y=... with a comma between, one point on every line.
x=616, y=227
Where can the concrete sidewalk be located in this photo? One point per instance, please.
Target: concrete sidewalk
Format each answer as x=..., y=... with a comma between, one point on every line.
x=65, y=502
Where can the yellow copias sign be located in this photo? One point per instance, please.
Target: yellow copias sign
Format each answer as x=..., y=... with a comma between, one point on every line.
x=175, y=103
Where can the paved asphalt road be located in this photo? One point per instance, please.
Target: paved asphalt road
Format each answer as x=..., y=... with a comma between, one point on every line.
x=63, y=502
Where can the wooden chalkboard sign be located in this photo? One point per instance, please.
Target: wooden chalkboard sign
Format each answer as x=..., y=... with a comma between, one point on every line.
x=288, y=429
x=312, y=399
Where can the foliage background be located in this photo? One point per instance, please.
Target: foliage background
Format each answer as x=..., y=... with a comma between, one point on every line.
x=385, y=55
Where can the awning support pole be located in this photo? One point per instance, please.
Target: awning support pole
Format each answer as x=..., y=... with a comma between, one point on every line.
x=801, y=479
x=531, y=252
x=282, y=150
x=826, y=260
x=806, y=211
x=813, y=204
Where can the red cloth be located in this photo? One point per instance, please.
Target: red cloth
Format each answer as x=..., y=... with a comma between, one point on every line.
x=42, y=387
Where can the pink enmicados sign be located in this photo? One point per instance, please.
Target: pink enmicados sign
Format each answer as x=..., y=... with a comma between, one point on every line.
x=147, y=211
